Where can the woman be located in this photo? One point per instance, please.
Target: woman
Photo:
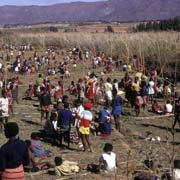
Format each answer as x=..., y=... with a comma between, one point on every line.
x=84, y=129
x=151, y=90
x=91, y=87
x=13, y=154
x=117, y=109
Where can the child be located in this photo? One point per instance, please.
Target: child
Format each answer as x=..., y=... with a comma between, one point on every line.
x=108, y=160
x=34, y=166
x=156, y=108
x=37, y=148
x=65, y=168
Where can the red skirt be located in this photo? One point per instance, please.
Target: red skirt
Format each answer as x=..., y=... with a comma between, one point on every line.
x=45, y=108
x=13, y=174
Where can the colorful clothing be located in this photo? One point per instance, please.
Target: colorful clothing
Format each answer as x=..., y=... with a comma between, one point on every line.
x=13, y=155
x=14, y=174
x=86, y=118
x=91, y=86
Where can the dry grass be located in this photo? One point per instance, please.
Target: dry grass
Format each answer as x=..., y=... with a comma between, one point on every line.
x=163, y=47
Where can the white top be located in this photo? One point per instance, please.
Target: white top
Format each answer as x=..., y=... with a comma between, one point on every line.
x=4, y=103
x=176, y=174
x=110, y=159
x=108, y=90
x=169, y=108
x=78, y=111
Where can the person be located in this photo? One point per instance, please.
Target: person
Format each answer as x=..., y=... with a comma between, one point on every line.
x=156, y=108
x=108, y=91
x=172, y=174
x=108, y=160
x=143, y=93
x=45, y=102
x=176, y=169
x=84, y=127
x=37, y=148
x=81, y=90
x=104, y=122
x=168, y=108
x=13, y=154
x=91, y=86
x=64, y=167
x=117, y=109
x=34, y=166
x=147, y=175
x=4, y=109
x=177, y=110
x=65, y=119
x=151, y=91
x=79, y=109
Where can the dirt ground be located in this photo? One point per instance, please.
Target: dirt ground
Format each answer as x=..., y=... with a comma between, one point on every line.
x=129, y=145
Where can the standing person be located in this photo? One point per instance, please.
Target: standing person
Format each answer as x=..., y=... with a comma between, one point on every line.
x=177, y=110
x=4, y=109
x=84, y=129
x=151, y=90
x=108, y=91
x=13, y=154
x=117, y=109
x=91, y=87
x=45, y=102
x=143, y=93
x=79, y=110
x=10, y=98
x=65, y=118
x=81, y=90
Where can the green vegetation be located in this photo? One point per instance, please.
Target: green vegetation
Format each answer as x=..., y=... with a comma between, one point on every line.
x=164, y=25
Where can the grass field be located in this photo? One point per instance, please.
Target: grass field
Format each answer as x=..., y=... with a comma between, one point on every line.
x=130, y=149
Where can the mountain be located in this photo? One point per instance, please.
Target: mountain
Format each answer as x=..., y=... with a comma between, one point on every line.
x=111, y=10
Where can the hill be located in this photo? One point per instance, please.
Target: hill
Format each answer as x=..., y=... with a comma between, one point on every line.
x=112, y=10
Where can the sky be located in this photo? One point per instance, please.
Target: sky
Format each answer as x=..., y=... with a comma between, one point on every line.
x=38, y=2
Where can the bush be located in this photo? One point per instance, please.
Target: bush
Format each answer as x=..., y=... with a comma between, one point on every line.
x=109, y=29
x=53, y=29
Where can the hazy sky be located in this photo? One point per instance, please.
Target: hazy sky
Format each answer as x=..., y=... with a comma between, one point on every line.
x=38, y=2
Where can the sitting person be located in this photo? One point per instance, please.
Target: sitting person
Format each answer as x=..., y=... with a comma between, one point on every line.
x=51, y=126
x=168, y=108
x=156, y=108
x=147, y=175
x=108, y=160
x=37, y=148
x=176, y=169
x=34, y=166
x=65, y=168
x=104, y=122
x=29, y=94
x=176, y=172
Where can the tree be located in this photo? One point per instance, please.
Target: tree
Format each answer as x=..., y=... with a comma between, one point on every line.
x=109, y=29
x=53, y=29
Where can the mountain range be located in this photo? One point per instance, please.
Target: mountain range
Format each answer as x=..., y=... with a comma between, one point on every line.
x=111, y=10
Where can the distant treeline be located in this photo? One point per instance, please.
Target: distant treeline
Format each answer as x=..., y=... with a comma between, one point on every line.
x=163, y=25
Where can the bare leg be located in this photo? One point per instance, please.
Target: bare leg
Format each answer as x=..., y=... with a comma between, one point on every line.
x=88, y=142
x=84, y=141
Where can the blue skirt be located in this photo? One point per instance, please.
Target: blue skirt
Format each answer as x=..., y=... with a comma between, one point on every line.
x=116, y=110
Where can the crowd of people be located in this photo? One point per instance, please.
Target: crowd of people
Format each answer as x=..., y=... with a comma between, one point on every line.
x=64, y=109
